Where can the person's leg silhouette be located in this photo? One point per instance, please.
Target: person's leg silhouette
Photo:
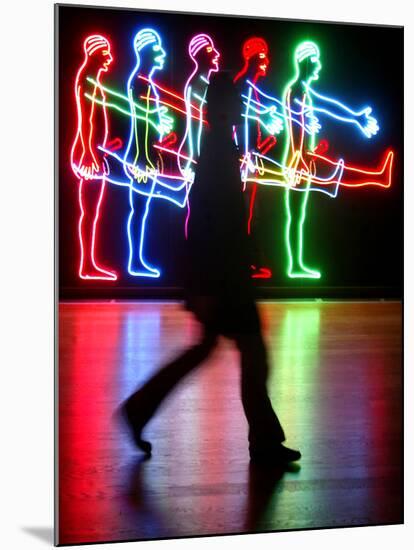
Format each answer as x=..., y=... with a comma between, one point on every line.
x=265, y=431
x=141, y=405
x=264, y=426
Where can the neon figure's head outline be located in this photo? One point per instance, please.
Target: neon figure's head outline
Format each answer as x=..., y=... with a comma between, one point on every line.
x=204, y=54
x=148, y=49
x=255, y=52
x=97, y=50
x=307, y=61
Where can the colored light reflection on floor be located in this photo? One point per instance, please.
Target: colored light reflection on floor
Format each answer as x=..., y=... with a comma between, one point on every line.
x=295, y=355
x=335, y=382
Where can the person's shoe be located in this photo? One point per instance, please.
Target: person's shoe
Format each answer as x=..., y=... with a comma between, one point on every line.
x=277, y=455
x=136, y=421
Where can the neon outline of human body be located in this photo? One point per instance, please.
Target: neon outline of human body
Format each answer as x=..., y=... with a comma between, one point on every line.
x=87, y=160
x=301, y=159
x=150, y=58
x=255, y=53
x=205, y=58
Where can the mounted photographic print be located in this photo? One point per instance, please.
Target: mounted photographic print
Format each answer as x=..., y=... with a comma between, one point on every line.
x=230, y=274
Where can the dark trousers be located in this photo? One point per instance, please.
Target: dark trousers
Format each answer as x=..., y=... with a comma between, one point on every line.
x=264, y=427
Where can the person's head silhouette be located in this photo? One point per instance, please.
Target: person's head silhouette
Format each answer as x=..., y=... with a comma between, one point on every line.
x=307, y=60
x=223, y=102
x=204, y=54
x=149, y=51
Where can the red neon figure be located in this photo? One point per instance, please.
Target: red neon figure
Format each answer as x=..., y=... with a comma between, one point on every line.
x=255, y=53
x=88, y=162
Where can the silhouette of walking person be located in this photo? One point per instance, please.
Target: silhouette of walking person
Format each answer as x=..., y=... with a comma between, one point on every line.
x=218, y=287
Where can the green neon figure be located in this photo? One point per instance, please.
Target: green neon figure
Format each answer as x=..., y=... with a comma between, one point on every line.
x=307, y=67
x=300, y=165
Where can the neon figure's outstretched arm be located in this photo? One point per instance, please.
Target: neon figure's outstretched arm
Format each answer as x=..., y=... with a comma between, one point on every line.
x=266, y=96
x=335, y=109
x=274, y=126
x=162, y=122
x=254, y=107
x=187, y=109
x=176, y=109
x=258, y=107
x=117, y=107
x=195, y=111
x=311, y=127
x=265, y=116
x=183, y=103
x=165, y=91
x=124, y=98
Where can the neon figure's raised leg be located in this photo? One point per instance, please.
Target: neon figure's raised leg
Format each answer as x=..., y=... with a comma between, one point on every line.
x=90, y=198
x=296, y=200
x=138, y=265
x=353, y=176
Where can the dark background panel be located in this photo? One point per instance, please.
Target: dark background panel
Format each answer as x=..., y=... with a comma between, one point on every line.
x=356, y=240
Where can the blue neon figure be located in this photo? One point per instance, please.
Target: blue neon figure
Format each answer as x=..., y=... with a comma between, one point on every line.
x=142, y=164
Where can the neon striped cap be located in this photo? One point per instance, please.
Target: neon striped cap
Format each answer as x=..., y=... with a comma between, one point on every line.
x=254, y=46
x=197, y=42
x=305, y=50
x=145, y=37
x=95, y=42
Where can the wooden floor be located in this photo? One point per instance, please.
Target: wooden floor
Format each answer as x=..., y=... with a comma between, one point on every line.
x=336, y=384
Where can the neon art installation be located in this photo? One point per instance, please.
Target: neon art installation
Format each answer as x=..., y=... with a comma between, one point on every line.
x=277, y=142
